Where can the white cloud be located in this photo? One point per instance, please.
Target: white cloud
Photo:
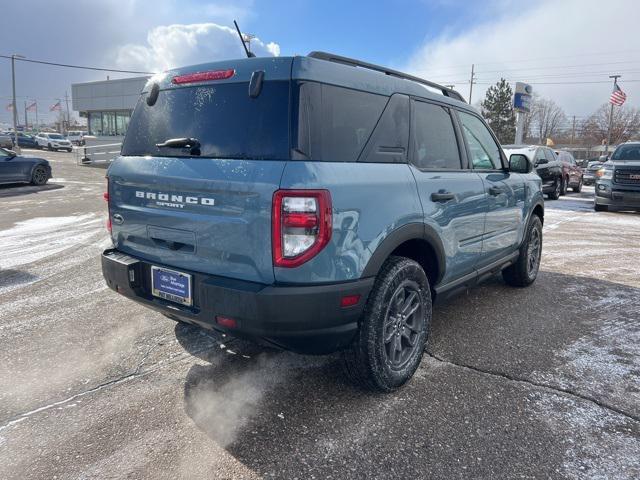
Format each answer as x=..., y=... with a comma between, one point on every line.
x=540, y=43
x=178, y=45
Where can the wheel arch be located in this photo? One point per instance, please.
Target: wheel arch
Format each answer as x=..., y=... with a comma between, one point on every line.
x=417, y=241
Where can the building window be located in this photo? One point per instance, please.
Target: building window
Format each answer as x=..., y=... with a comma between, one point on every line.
x=108, y=123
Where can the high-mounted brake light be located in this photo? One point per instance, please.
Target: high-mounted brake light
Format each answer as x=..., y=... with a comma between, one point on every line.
x=203, y=76
x=301, y=225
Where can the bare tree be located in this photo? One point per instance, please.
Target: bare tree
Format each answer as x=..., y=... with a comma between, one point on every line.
x=546, y=119
x=626, y=124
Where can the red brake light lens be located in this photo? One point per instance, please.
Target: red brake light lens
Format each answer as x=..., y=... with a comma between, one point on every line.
x=301, y=225
x=203, y=76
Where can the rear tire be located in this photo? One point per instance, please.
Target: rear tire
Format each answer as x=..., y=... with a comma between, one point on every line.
x=525, y=271
x=393, y=328
x=578, y=189
x=600, y=208
x=39, y=175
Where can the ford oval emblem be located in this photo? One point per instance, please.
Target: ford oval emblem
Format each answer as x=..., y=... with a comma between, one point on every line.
x=117, y=219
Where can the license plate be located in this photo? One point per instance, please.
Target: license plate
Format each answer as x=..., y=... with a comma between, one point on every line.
x=171, y=285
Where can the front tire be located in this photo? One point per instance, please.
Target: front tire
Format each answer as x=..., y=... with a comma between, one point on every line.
x=557, y=190
x=525, y=271
x=564, y=186
x=39, y=175
x=600, y=208
x=393, y=328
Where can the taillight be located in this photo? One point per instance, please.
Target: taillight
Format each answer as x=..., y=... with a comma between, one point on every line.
x=203, y=76
x=301, y=225
x=105, y=195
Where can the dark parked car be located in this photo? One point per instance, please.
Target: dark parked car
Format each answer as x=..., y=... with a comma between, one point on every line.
x=19, y=169
x=547, y=166
x=571, y=172
x=27, y=141
x=618, y=180
x=591, y=172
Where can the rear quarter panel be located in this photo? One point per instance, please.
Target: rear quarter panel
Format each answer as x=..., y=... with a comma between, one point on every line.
x=369, y=200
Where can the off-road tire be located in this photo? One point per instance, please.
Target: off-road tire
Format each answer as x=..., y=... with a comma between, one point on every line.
x=557, y=190
x=525, y=270
x=367, y=362
x=39, y=175
x=600, y=208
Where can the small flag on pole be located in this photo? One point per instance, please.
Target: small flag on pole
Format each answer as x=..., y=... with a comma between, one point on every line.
x=9, y=106
x=55, y=106
x=32, y=107
x=617, y=96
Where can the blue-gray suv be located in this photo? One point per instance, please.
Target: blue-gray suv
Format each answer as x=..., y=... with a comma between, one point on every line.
x=315, y=203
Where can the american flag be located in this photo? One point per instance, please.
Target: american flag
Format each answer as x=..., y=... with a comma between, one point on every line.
x=617, y=96
x=9, y=106
x=32, y=107
x=55, y=106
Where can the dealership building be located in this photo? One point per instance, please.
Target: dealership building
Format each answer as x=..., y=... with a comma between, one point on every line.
x=107, y=105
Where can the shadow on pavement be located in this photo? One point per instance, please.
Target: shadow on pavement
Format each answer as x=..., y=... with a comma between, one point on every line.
x=14, y=278
x=286, y=415
x=17, y=189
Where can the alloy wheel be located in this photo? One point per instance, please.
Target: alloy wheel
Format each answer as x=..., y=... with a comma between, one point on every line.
x=403, y=324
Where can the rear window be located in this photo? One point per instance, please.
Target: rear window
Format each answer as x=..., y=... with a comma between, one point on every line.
x=226, y=121
x=334, y=123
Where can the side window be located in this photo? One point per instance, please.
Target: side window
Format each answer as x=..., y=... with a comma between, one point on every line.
x=334, y=123
x=539, y=156
x=485, y=152
x=389, y=140
x=550, y=155
x=434, y=138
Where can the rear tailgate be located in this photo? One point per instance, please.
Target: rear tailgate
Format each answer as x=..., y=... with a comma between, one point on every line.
x=205, y=215
x=204, y=206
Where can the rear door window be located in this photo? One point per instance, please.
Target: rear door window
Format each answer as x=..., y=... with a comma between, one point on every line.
x=550, y=155
x=226, y=121
x=435, y=145
x=484, y=151
x=334, y=123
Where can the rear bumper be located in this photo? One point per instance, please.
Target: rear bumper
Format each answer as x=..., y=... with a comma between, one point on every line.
x=304, y=319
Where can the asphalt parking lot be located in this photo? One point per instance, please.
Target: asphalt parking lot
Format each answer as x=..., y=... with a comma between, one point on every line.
x=542, y=382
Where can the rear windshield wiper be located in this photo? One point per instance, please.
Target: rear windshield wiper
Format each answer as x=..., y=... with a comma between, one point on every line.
x=193, y=144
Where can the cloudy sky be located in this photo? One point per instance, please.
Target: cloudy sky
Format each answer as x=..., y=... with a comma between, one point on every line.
x=565, y=48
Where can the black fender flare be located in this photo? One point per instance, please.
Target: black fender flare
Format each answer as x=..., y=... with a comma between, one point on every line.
x=409, y=231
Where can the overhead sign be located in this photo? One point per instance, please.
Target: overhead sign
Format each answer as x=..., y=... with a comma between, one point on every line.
x=522, y=97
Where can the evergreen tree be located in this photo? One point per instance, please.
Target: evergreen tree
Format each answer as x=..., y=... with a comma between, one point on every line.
x=497, y=109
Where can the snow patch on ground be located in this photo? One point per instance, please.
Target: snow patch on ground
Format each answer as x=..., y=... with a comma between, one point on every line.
x=38, y=238
x=598, y=444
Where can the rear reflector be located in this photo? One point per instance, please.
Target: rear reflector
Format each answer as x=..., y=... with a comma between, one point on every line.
x=203, y=76
x=349, y=300
x=226, y=322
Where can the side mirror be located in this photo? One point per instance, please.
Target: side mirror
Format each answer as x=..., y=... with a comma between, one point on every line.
x=11, y=153
x=603, y=158
x=519, y=163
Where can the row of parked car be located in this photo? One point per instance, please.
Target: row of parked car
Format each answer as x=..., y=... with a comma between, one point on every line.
x=50, y=141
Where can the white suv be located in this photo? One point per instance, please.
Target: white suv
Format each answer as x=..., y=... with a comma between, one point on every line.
x=53, y=141
x=76, y=137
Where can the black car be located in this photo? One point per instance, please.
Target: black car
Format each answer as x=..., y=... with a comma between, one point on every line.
x=18, y=169
x=547, y=166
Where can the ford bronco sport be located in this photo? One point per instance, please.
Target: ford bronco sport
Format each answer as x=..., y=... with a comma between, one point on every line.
x=315, y=203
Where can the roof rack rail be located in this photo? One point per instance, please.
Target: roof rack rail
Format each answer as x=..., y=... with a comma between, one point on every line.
x=448, y=92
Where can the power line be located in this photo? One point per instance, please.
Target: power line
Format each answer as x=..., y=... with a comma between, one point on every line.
x=77, y=66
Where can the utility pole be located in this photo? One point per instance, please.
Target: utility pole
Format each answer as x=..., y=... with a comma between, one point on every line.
x=14, y=105
x=26, y=122
x=471, y=82
x=573, y=129
x=615, y=82
x=66, y=99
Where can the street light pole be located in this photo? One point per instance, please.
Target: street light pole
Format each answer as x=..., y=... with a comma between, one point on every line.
x=14, y=105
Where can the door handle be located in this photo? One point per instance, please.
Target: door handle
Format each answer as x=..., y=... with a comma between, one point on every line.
x=443, y=196
x=495, y=191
